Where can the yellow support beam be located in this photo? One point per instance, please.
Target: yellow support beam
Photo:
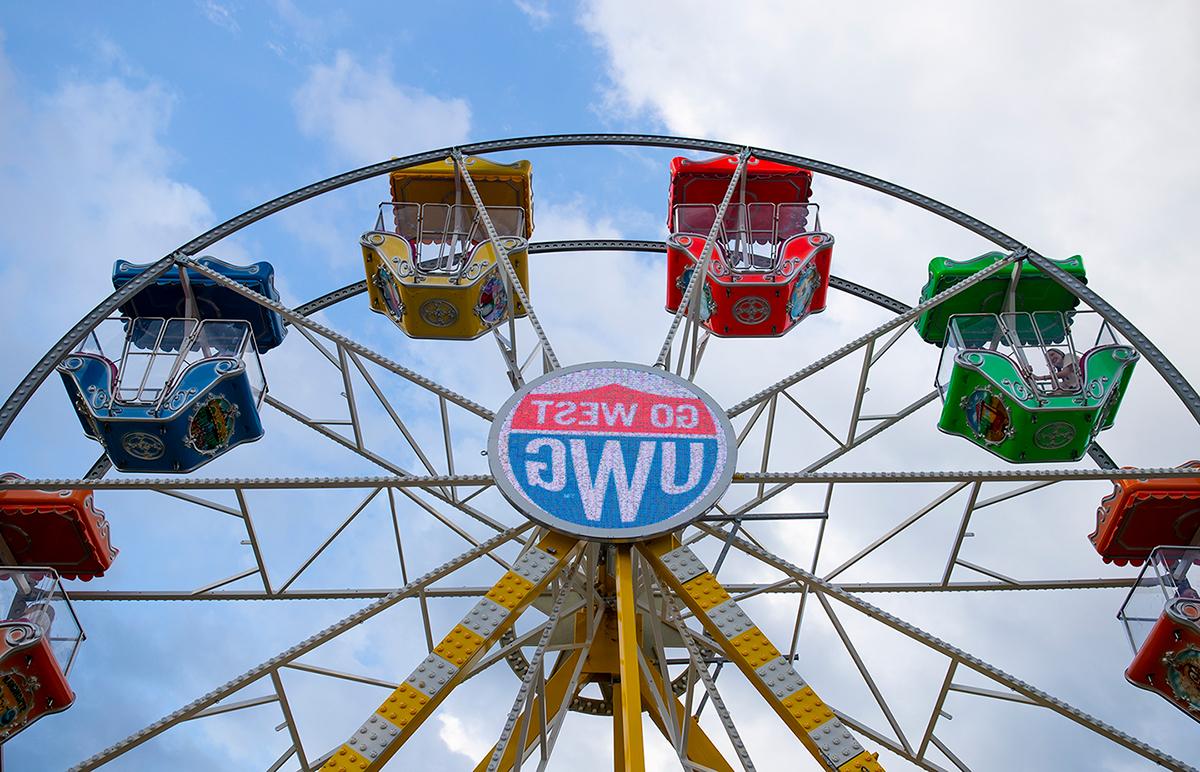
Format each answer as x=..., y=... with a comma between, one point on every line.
x=389, y=727
x=810, y=719
x=627, y=646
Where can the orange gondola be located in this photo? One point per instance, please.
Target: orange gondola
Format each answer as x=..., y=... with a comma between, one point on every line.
x=1140, y=515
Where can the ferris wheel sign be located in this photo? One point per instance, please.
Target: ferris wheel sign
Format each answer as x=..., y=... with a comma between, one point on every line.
x=612, y=451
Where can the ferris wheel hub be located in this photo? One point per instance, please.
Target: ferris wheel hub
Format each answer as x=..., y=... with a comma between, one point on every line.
x=612, y=451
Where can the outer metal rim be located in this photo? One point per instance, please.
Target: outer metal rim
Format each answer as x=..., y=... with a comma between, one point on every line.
x=71, y=339
x=637, y=533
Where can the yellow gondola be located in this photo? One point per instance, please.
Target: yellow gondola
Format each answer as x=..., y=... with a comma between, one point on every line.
x=430, y=265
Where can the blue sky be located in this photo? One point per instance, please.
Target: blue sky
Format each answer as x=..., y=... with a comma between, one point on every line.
x=126, y=129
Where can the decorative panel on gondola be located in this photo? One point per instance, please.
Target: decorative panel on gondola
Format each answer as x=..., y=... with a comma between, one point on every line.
x=39, y=638
x=431, y=267
x=59, y=529
x=1016, y=385
x=769, y=265
x=1162, y=619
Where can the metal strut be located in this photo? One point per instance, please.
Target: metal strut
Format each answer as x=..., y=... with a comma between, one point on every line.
x=510, y=273
x=693, y=293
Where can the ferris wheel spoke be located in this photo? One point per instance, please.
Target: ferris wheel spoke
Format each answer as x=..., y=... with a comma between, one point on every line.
x=532, y=697
x=962, y=658
x=330, y=539
x=698, y=667
x=869, y=338
x=693, y=292
x=864, y=672
x=391, y=411
x=299, y=320
x=516, y=291
x=289, y=719
x=329, y=633
x=448, y=664
x=804, y=713
x=1043, y=478
x=942, y=498
x=919, y=760
x=738, y=590
x=963, y=524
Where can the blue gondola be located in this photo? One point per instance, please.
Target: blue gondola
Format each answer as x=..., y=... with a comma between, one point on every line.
x=166, y=296
x=180, y=393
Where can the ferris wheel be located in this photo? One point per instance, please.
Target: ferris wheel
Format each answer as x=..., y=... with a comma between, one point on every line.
x=582, y=555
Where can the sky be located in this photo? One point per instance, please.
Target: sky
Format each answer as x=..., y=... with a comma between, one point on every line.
x=126, y=129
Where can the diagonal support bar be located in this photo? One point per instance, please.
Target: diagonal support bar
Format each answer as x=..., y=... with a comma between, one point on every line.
x=698, y=747
x=514, y=281
x=557, y=694
x=1086, y=720
x=403, y=712
x=693, y=293
x=804, y=713
x=898, y=321
x=349, y=345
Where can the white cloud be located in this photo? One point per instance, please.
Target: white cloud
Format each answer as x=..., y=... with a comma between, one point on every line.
x=366, y=116
x=537, y=11
x=460, y=739
x=218, y=14
x=95, y=185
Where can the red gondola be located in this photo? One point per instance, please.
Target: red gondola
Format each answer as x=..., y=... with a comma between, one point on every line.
x=770, y=264
x=39, y=637
x=1166, y=636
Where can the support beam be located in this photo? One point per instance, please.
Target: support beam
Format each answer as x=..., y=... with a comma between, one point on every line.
x=627, y=644
x=1090, y=722
x=792, y=699
x=556, y=696
x=403, y=712
x=254, y=674
x=472, y=480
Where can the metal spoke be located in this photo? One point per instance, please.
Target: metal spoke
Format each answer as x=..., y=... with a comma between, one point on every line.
x=471, y=480
x=1114, y=583
x=288, y=718
x=524, y=694
x=963, y=658
x=305, y=646
x=300, y=320
x=515, y=290
x=701, y=669
x=693, y=293
x=898, y=321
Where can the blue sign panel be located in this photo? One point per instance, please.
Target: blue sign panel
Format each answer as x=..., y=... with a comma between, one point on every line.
x=612, y=451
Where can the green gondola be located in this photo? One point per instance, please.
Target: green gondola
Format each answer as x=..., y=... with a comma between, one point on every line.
x=1013, y=384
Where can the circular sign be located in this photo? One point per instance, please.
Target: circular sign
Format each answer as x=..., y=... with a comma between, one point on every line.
x=612, y=451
